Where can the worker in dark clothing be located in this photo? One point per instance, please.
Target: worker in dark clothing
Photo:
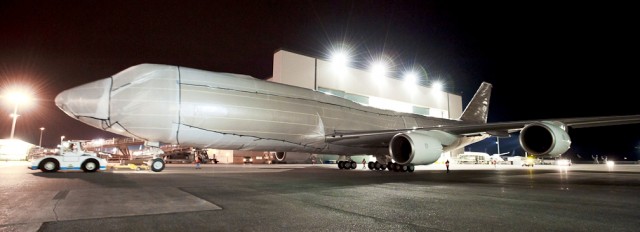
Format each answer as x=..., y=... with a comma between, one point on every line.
x=447, y=164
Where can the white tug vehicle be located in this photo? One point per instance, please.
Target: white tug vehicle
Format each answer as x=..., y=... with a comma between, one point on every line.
x=70, y=157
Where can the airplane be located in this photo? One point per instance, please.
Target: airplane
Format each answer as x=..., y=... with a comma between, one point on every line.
x=185, y=106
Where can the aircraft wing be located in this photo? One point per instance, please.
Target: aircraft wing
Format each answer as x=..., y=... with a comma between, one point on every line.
x=382, y=137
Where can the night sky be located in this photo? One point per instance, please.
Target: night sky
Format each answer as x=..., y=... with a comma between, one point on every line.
x=545, y=59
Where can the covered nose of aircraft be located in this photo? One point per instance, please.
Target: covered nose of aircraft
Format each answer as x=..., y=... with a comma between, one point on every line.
x=88, y=103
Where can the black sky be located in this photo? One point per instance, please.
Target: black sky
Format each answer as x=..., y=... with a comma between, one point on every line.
x=545, y=59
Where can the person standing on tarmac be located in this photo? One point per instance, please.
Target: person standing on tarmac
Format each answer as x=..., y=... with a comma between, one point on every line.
x=197, y=159
x=447, y=164
x=364, y=164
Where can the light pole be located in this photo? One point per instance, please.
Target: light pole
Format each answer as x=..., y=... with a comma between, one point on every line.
x=15, y=118
x=498, y=142
x=41, y=130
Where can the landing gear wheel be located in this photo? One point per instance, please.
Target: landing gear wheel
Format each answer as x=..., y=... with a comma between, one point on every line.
x=340, y=164
x=396, y=167
x=370, y=165
x=49, y=165
x=90, y=166
x=411, y=168
x=353, y=164
x=157, y=164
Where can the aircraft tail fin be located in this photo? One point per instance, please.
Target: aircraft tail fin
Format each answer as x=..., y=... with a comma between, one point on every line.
x=478, y=108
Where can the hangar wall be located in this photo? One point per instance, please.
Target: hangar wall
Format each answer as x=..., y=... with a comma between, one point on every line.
x=358, y=85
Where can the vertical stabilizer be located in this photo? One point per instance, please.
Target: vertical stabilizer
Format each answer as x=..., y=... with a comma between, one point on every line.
x=478, y=107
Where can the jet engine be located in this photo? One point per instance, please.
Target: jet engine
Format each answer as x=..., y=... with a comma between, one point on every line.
x=415, y=148
x=545, y=138
x=292, y=157
x=280, y=156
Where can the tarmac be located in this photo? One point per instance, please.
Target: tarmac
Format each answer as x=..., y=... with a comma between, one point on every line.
x=305, y=197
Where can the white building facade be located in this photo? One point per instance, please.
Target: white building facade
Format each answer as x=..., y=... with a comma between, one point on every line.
x=362, y=87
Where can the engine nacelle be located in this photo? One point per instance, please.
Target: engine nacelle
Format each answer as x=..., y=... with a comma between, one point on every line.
x=545, y=138
x=280, y=156
x=415, y=148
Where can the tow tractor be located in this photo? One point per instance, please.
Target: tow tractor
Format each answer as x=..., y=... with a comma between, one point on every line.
x=70, y=157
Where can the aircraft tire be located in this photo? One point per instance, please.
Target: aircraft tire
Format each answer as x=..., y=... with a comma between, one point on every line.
x=353, y=165
x=340, y=164
x=396, y=167
x=370, y=165
x=411, y=168
x=157, y=164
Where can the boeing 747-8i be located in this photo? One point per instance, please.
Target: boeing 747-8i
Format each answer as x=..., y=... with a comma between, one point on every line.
x=165, y=104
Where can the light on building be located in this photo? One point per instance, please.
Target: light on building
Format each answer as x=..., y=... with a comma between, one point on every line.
x=379, y=69
x=340, y=59
x=436, y=86
x=410, y=77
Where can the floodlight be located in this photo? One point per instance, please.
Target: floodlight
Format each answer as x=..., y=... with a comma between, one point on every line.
x=410, y=77
x=436, y=86
x=340, y=58
x=379, y=69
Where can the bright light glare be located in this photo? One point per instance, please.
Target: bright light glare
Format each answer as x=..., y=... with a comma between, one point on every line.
x=563, y=162
x=379, y=69
x=13, y=149
x=410, y=77
x=610, y=164
x=436, y=86
x=98, y=142
x=340, y=58
x=17, y=96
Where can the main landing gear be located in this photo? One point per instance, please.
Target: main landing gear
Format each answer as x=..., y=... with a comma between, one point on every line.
x=378, y=166
x=347, y=164
x=391, y=166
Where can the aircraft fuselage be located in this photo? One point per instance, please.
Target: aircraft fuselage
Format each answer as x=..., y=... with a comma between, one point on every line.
x=191, y=107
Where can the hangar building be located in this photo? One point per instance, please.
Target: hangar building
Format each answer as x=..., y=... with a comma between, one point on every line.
x=362, y=87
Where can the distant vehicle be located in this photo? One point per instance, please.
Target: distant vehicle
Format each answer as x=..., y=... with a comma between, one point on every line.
x=177, y=157
x=529, y=162
x=204, y=157
x=474, y=158
x=70, y=157
x=247, y=160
